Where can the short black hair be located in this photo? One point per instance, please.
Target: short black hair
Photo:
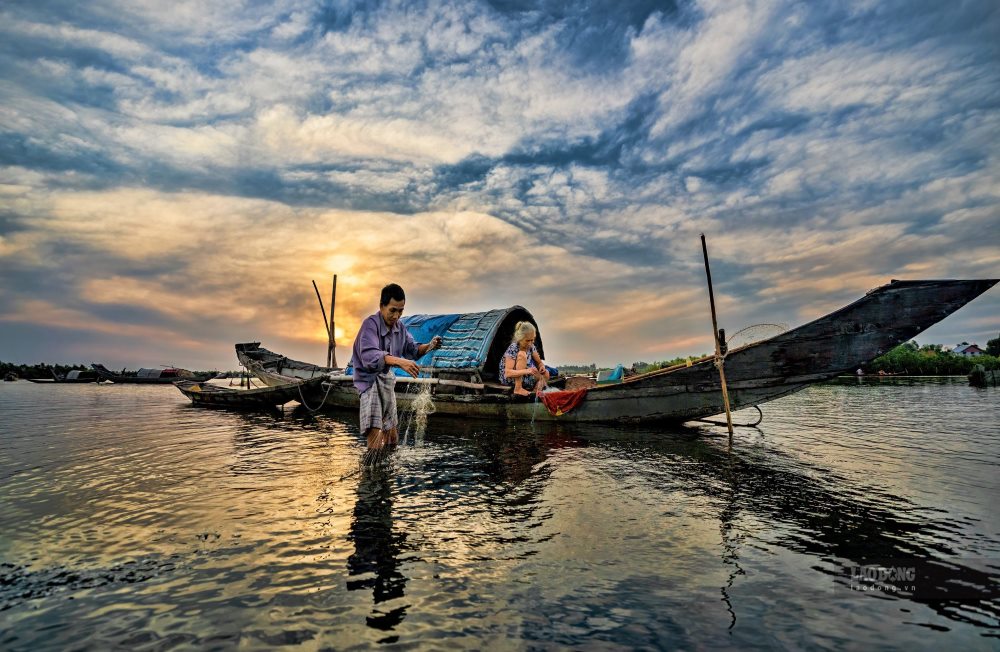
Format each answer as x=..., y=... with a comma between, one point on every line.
x=391, y=292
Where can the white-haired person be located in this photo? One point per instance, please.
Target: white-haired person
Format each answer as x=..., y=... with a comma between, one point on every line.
x=521, y=365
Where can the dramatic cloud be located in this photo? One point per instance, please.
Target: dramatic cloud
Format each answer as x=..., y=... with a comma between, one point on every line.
x=173, y=175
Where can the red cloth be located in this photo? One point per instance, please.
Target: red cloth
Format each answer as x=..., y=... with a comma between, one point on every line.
x=559, y=403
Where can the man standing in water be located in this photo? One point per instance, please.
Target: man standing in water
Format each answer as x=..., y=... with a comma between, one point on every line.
x=383, y=343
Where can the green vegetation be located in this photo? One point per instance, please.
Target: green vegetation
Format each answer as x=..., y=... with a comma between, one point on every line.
x=40, y=370
x=44, y=370
x=568, y=369
x=639, y=367
x=643, y=367
x=993, y=347
x=929, y=360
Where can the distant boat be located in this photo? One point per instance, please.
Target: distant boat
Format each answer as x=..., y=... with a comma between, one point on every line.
x=462, y=375
x=10, y=377
x=72, y=376
x=202, y=393
x=149, y=376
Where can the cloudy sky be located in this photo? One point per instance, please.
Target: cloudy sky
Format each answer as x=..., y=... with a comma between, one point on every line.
x=173, y=174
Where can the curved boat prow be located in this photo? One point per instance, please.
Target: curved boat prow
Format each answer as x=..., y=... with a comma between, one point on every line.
x=858, y=333
x=837, y=343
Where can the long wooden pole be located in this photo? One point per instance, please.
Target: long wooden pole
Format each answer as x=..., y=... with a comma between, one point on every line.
x=719, y=361
x=325, y=322
x=333, y=328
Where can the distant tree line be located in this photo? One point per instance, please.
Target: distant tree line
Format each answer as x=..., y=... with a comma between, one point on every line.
x=578, y=368
x=639, y=367
x=932, y=360
x=643, y=367
x=44, y=370
x=40, y=370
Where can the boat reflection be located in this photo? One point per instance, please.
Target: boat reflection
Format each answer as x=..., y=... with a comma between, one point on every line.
x=809, y=509
x=833, y=519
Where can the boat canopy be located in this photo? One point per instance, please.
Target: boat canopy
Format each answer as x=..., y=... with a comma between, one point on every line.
x=471, y=342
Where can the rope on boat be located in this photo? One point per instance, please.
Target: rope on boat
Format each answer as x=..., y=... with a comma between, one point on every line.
x=302, y=399
x=756, y=423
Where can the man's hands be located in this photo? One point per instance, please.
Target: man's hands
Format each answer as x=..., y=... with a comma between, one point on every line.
x=435, y=343
x=409, y=366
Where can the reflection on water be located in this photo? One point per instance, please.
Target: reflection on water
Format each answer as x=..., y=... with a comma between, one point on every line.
x=375, y=564
x=131, y=518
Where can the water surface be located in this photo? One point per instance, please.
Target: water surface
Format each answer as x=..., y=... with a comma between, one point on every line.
x=129, y=518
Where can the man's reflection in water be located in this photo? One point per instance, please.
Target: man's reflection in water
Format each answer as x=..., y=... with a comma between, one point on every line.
x=377, y=547
x=506, y=456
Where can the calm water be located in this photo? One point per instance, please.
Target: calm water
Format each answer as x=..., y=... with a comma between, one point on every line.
x=129, y=518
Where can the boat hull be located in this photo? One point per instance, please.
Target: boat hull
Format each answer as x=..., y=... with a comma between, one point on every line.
x=614, y=404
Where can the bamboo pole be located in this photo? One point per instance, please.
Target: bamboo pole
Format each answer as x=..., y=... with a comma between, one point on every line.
x=325, y=322
x=333, y=329
x=719, y=360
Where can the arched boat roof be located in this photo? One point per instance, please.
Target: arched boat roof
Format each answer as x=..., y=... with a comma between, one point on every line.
x=473, y=341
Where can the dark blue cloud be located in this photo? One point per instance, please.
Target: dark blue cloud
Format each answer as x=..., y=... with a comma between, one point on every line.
x=595, y=34
x=611, y=150
x=340, y=15
x=919, y=106
x=28, y=151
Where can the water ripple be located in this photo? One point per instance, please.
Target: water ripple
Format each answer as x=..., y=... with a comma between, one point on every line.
x=133, y=519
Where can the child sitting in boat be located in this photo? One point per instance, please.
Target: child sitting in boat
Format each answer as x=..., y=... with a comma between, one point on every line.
x=521, y=365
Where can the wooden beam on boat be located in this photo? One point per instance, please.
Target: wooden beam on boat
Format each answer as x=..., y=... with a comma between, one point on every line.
x=331, y=360
x=329, y=336
x=719, y=357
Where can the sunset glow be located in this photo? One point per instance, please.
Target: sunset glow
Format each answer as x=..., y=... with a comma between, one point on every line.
x=171, y=180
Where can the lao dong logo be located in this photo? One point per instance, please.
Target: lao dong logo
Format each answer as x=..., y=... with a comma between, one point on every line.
x=883, y=578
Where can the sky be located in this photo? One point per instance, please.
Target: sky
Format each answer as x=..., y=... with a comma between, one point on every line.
x=173, y=175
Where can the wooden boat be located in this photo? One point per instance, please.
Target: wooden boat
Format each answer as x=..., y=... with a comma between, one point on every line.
x=203, y=393
x=72, y=376
x=462, y=375
x=149, y=376
x=275, y=369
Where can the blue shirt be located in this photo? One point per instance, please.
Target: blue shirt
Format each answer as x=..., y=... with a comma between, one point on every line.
x=374, y=341
x=511, y=353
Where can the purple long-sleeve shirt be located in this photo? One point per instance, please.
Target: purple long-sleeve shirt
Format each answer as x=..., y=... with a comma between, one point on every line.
x=374, y=341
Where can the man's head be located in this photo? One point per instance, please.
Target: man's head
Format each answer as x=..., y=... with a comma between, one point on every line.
x=391, y=303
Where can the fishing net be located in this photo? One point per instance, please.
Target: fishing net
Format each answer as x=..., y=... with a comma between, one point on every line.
x=755, y=333
x=420, y=408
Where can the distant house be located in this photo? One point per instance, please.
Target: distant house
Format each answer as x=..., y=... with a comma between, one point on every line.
x=968, y=350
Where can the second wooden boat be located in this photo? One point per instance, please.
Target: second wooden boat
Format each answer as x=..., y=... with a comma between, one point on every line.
x=204, y=393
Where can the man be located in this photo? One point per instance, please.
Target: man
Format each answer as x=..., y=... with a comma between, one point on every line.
x=382, y=343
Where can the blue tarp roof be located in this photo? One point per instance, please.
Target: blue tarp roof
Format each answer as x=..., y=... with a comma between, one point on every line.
x=467, y=338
